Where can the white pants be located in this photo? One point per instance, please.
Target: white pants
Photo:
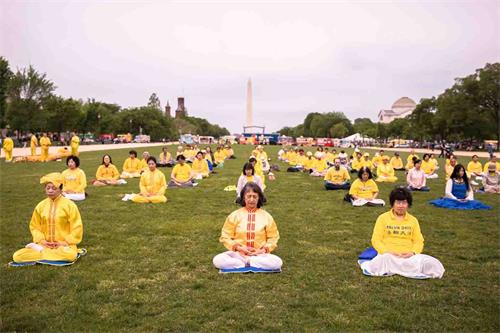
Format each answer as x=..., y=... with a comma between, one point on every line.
x=130, y=174
x=75, y=196
x=232, y=260
x=417, y=266
x=433, y=176
x=362, y=202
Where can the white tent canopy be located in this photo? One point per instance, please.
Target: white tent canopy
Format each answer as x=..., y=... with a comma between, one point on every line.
x=357, y=137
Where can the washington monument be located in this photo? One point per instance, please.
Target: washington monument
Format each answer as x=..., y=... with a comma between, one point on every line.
x=249, y=104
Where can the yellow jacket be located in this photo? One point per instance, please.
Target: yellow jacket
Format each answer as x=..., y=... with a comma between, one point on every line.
x=8, y=144
x=364, y=190
x=235, y=230
x=33, y=141
x=385, y=170
x=365, y=163
x=292, y=158
x=329, y=157
x=181, y=172
x=165, y=159
x=320, y=165
x=396, y=162
x=475, y=167
x=409, y=161
x=107, y=173
x=391, y=235
x=56, y=221
x=356, y=164
x=132, y=165
x=45, y=142
x=337, y=177
x=74, y=180
x=309, y=163
x=219, y=156
x=75, y=142
x=428, y=167
x=200, y=166
x=153, y=182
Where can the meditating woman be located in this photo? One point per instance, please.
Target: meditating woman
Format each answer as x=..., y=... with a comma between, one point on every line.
x=364, y=190
x=44, y=146
x=107, y=173
x=309, y=162
x=56, y=227
x=219, y=156
x=181, y=175
x=475, y=170
x=74, y=180
x=459, y=193
x=385, y=172
x=131, y=166
x=247, y=176
x=416, y=177
x=399, y=243
x=397, y=162
x=249, y=234
x=409, y=159
x=144, y=161
x=165, y=159
x=257, y=165
x=357, y=162
x=337, y=177
x=320, y=167
x=491, y=179
x=449, y=167
x=429, y=167
x=200, y=166
x=152, y=186
x=434, y=160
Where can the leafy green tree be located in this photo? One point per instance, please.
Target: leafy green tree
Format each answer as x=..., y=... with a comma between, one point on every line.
x=154, y=101
x=5, y=75
x=27, y=90
x=62, y=114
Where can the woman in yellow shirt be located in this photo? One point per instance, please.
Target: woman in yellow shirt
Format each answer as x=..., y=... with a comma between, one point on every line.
x=200, y=166
x=44, y=146
x=33, y=144
x=249, y=235
x=385, y=172
x=219, y=156
x=399, y=243
x=56, y=227
x=8, y=147
x=409, y=159
x=475, y=170
x=320, y=167
x=152, y=185
x=364, y=190
x=429, y=167
x=75, y=143
x=131, y=166
x=181, y=175
x=107, y=173
x=397, y=162
x=74, y=180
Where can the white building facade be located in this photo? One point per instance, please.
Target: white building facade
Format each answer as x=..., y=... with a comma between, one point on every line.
x=400, y=109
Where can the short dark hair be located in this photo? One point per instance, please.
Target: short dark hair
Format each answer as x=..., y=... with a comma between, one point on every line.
x=400, y=194
x=416, y=161
x=181, y=157
x=133, y=152
x=251, y=186
x=426, y=155
x=110, y=160
x=364, y=169
x=475, y=156
x=151, y=158
x=198, y=153
x=74, y=159
x=248, y=166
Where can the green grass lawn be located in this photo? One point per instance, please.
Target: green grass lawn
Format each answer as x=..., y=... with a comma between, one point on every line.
x=149, y=267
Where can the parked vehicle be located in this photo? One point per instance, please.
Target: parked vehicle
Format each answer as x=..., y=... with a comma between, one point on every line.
x=123, y=138
x=142, y=138
x=106, y=138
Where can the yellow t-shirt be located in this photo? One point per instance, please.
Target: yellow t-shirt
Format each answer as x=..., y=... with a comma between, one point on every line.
x=475, y=167
x=132, y=165
x=364, y=190
x=337, y=176
x=392, y=235
x=396, y=162
x=428, y=167
x=74, y=180
x=181, y=172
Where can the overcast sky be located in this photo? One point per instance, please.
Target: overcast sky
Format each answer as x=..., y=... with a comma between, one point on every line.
x=303, y=56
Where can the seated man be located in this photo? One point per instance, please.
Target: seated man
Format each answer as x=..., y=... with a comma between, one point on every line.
x=249, y=235
x=491, y=179
x=297, y=163
x=56, y=227
x=131, y=166
x=357, y=162
x=397, y=162
x=337, y=177
x=152, y=186
x=200, y=166
x=364, y=190
x=385, y=172
x=309, y=162
x=165, y=159
x=399, y=243
x=181, y=175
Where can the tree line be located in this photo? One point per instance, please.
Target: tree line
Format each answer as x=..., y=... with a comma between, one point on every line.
x=28, y=103
x=467, y=111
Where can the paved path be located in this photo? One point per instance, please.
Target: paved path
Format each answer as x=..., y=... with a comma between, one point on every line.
x=436, y=151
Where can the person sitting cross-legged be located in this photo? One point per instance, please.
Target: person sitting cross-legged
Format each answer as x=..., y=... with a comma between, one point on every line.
x=337, y=177
x=249, y=235
x=247, y=176
x=74, y=180
x=131, y=166
x=152, y=185
x=364, y=190
x=200, y=168
x=491, y=179
x=181, y=175
x=416, y=177
x=385, y=171
x=165, y=159
x=399, y=243
x=107, y=173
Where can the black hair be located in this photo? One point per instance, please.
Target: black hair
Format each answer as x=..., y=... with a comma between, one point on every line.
x=342, y=151
x=454, y=175
x=110, y=160
x=248, y=166
x=428, y=155
x=414, y=158
x=151, y=158
x=133, y=152
x=252, y=158
x=74, y=159
x=400, y=194
x=251, y=186
x=363, y=170
x=416, y=161
x=475, y=156
x=181, y=157
x=199, y=152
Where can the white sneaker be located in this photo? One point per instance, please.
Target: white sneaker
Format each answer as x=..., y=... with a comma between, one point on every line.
x=473, y=182
x=121, y=181
x=195, y=184
x=127, y=197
